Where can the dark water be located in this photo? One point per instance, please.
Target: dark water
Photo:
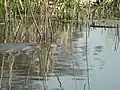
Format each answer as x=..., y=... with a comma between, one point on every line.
x=68, y=69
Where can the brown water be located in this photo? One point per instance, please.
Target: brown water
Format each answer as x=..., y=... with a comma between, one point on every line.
x=67, y=68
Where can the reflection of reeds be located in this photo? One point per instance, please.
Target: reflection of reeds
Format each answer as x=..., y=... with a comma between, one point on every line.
x=117, y=38
x=44, y=57
x=11, y=60
x=28, y=72
x=59, y=81
x=87, y=64
x=43, y=52
x=1, y=72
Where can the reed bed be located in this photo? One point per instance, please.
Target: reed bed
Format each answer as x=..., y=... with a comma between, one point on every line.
x=30, y=21
x=45, y=22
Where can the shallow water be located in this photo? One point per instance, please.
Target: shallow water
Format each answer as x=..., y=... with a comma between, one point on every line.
x=69, y=68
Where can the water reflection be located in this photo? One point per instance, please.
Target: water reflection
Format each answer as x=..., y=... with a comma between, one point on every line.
x=19, y=67
x=60, y=67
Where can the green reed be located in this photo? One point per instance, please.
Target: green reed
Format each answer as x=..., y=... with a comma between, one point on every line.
x=24, y=19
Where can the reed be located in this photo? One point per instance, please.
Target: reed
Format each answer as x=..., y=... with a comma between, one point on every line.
x=45, y=22
x=24, y=19
x=107, y=9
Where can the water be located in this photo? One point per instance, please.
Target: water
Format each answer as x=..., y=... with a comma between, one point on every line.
x=67, y=68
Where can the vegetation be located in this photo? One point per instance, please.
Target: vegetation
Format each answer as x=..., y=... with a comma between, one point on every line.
x=23, y=19
x=43, y=22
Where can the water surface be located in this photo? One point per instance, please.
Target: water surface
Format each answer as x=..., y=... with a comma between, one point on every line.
x=67, y=68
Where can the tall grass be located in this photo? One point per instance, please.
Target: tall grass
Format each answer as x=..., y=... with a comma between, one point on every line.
x=30, y=21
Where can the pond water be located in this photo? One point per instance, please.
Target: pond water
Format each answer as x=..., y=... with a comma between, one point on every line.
x=73, y=66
